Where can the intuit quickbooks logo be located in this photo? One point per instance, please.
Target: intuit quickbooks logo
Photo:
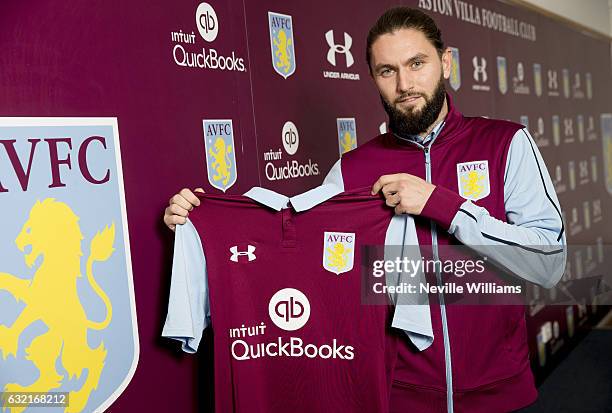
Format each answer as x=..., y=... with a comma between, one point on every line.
x=186, y=55
x=289, y=310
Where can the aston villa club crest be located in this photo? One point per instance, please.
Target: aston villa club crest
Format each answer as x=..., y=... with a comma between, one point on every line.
x=556, y=127
x=338, y=251
x=566, y=83
x=473, y=180
x=282, y=43
x=606, y=135
x=220, y=153
x=502, y=75
x=537, y=79
x=589, y=86
x=455, y=75
x=347, y=134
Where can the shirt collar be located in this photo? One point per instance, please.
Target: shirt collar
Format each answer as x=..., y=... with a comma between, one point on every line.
x=301, y=202
x=429, y=138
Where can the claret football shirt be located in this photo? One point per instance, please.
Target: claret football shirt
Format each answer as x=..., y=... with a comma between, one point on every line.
x=279, y=281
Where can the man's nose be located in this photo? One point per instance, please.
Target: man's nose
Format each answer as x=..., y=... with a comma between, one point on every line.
x=404, y=82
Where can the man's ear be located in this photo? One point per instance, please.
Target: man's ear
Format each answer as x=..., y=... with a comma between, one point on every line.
x=447, y=58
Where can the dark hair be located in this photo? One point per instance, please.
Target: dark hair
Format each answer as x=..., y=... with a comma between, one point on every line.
x=405, y=18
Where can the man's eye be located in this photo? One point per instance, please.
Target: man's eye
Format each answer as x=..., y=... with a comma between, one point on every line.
x=386, y=72
x=417, y=64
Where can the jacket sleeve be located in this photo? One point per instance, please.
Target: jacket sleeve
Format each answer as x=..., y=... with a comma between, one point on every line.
x=188, y=305
x=531, y=244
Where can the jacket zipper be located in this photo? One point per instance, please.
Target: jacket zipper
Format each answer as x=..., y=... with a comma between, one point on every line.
x=436, y=257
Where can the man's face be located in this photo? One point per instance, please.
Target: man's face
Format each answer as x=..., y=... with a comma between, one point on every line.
x=410, y=77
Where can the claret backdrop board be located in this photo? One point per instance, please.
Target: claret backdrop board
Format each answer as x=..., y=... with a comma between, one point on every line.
x=228, y=95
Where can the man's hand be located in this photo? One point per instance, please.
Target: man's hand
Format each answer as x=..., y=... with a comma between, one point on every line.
x=407, y=193
x=180, y=205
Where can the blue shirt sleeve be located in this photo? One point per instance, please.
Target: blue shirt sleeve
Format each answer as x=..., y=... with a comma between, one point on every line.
x=188, y=306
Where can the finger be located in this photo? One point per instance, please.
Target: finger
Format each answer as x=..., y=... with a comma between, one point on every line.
x=174, y=220
x=199, y=190
x=393, y=200
x=390, y=188
x=190, y=197
x=181, y=201
x=176, y=209
x=382, y=181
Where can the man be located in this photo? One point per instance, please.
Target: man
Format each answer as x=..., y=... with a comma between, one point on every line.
x=478, y=361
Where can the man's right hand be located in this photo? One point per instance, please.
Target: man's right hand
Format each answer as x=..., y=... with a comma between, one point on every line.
x=180, y=205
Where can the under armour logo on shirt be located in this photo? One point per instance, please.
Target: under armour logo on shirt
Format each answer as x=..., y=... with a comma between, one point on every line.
x=250, y=253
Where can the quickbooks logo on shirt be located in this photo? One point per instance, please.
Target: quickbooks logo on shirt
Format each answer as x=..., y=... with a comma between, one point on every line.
x=288, y=169
x=289, y=310
x=207, y=24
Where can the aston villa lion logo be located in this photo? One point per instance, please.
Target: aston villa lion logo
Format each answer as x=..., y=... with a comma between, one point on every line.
x=455, y=75
x=282, y=43
x=338, y=251
x=220, y=153
x=537, y=79
x=473, y=180
x=68, y=329
x=347, y=134
x=502, y=75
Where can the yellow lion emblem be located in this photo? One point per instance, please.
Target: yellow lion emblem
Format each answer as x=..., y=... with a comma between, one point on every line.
x=222, y=164
x=471, y=185
x=53, y=233
x=283, y=44
x=347, y=142
x=338, y=257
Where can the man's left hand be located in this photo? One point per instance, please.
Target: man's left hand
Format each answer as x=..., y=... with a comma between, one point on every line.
x=407, y=193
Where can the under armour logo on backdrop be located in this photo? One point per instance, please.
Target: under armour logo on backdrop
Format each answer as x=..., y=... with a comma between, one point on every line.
x=250, y=253
x=339, y=48
x=480, y=70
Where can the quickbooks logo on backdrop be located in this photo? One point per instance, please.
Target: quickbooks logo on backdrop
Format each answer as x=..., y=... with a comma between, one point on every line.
x=208, y=25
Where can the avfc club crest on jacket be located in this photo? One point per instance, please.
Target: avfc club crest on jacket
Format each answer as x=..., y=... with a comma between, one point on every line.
x=455, y=75
x=220, y=153
x=502, y=75
x=338, y=251
x=282, y=43
x=347, y=134
x=473, y=180
x=606, y=134
x=537, y=79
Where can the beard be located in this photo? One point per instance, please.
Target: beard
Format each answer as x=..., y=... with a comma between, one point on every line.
x=414, y=121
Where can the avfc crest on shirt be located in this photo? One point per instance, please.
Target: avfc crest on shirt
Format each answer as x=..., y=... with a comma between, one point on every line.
x=455, y=75
x=606, y=134
x=502, y=75
x=282, y=43
x=347, y=134
x=537, y=79
x=473, y=180
x=220, y=153
x=338, y=251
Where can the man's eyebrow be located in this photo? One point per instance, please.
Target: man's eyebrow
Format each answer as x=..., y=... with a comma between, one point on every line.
x=418, y=56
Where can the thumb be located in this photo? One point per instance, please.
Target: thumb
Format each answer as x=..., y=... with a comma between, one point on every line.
x=199, y=190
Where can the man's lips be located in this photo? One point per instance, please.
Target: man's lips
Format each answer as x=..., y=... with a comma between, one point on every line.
x=408, y=99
